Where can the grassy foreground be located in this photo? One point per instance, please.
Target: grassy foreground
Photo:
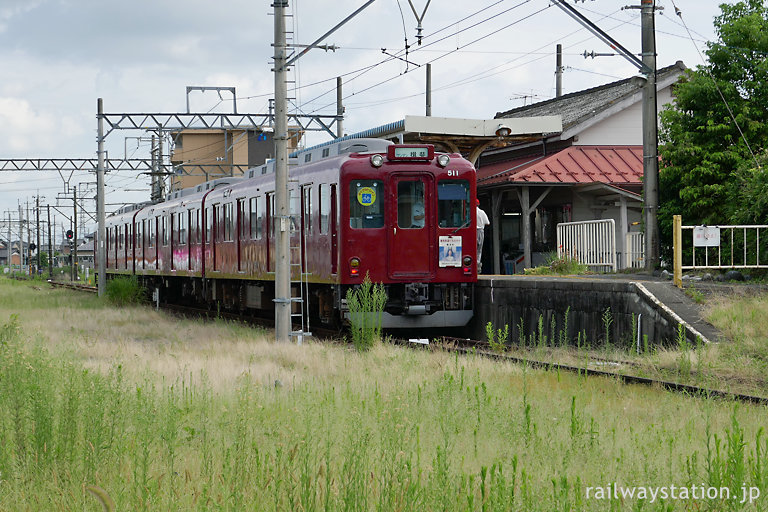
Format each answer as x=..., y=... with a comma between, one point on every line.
x=167, y=414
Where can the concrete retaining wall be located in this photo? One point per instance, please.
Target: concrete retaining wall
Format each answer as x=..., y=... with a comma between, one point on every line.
x=511, y=300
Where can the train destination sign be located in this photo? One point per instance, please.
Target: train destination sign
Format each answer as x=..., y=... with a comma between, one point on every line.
x=411, y=152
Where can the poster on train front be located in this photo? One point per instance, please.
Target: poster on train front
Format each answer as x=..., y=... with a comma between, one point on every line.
x=450, y=251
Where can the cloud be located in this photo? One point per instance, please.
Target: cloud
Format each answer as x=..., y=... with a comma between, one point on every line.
x=23, y=129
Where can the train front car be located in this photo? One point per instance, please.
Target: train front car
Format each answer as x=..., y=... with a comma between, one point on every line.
x=408, y=221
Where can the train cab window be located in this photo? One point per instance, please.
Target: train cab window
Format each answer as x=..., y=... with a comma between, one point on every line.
x=366, y=204
x=453, y=207
x=325, y=208
x=410, y=204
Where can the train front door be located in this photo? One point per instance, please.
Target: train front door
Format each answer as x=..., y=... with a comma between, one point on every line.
x=410, y=241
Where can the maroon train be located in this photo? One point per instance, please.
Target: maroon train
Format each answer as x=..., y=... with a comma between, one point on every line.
x=402, y=214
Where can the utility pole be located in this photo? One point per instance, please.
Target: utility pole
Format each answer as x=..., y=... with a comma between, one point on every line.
x=559, y=72
x=100, y=213
x=21, y=239
x=650, y=136
x=339, y=109
x=282, y=265
x=50, y=245
x=29, y=242
x=37, y=231
x=8, y=248
x=428, y=112
x=75, y=273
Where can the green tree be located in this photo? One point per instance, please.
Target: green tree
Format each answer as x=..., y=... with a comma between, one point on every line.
x=700, y=145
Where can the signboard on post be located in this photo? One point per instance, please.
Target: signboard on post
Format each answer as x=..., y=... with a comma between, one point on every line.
x=706, y=236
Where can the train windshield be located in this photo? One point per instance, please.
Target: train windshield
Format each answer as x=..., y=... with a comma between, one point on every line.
x=366, y=204
x=410, y=204
x=453, y=209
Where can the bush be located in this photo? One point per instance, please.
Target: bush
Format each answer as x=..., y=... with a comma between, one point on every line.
x=124, y=290
x=559, y=266
x=366, y=305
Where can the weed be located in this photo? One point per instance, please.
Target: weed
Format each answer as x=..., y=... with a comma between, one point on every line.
x=497, y=339
x=124, y=290
x=366, y=305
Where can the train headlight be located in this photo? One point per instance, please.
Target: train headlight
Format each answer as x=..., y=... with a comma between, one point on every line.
x=354, y=267
x=466, y=264
x=377, y=160
x=442, y=160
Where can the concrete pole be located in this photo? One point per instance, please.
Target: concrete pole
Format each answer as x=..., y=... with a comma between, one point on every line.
x=282, y=221
x=339, y=109
x=429, y=90
x=50, y=245
x=75, y=273
x=559, y=72
x=650, y=142
x=100, y=212
x=8, y=250
x=21, y=239
x=37, y=232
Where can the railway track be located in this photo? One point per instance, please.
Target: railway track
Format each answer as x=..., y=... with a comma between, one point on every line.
x=471, y=347
x=467, y=347
x=73, y=286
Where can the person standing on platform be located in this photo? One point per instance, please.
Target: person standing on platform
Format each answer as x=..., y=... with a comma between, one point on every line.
x=482, y=221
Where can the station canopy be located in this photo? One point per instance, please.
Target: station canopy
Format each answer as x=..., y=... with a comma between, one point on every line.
x=470, y=137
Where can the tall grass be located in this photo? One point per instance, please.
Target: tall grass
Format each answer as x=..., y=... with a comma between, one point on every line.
x=124, y=290
x=366, y=305
x=387, y=429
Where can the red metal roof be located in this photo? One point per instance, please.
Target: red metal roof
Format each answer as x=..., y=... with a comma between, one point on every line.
x=615, y=165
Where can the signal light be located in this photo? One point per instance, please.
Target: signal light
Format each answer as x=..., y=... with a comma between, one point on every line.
x=354, y=267
x=70, y=234
x=466, y=264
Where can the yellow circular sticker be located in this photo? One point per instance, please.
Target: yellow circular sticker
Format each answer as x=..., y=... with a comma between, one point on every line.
x=366, y=196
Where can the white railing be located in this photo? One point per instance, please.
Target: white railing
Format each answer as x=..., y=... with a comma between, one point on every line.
x=635, y=254
x=718, y=247
x=591, y=242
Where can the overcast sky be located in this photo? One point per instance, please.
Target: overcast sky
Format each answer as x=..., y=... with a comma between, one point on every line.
x=58, y=56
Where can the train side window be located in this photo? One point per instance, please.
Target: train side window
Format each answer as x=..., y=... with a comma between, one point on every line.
x=164, y=228
x=295, y=202
x=228, y=222
x=453, y=208
x=366, y=204
x=325, y=208
x=307, y=192
x=410, y=204
x=138, y=236
x=151, y=225
x=182, y=228
x=256, y=215
x=208, y=223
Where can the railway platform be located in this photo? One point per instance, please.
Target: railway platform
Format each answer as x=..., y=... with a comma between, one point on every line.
x=622, y=308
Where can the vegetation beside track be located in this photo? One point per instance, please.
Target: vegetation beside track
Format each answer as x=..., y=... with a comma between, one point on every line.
x=172, y=414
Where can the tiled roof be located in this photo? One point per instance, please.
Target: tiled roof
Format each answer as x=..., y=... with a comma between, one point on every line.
x=614, y=165
x=578, y=106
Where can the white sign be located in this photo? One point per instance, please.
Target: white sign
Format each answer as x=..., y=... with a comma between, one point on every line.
x=450, y=251
x=706, y=236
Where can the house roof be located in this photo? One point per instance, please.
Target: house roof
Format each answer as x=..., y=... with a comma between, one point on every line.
x=577, y=107
x=619, y=166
